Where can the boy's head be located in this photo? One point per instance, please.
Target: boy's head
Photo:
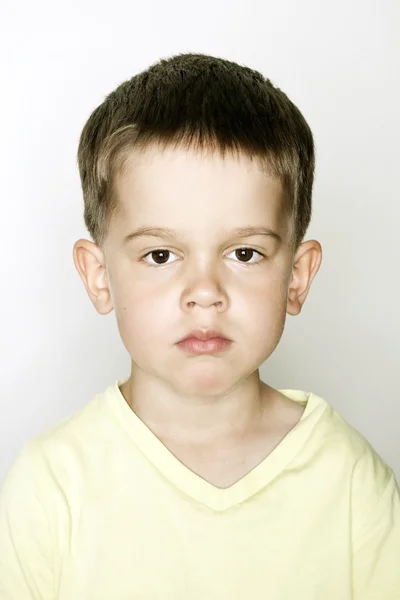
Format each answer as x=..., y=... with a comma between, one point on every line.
x=201, y=147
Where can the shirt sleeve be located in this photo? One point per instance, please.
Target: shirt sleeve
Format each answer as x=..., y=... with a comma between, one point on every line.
x=26, y=569
x=376, y=551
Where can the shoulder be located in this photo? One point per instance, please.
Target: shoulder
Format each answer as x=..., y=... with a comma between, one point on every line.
x=372, y=481
x=332, y=444
x=60, y=451
x=85, y=425
x=366, y=466
x=351, y=462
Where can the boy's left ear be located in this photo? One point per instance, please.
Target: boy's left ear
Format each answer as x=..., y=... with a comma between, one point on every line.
x=306, y=265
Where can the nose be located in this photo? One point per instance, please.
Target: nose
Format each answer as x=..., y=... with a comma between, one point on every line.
x=205, y=290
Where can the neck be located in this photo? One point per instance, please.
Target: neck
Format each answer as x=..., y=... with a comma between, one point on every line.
x=197, y=419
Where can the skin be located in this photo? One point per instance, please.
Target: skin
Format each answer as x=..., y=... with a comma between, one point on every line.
x=207, y=404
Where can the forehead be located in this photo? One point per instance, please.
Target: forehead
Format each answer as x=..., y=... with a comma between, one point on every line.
x=193, y=191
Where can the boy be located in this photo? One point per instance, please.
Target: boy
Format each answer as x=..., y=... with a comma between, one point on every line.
x=192, y=479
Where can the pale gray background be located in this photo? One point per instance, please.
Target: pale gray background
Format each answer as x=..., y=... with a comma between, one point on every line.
x=338, y=61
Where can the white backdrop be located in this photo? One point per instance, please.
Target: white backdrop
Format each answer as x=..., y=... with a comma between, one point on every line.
x=340, y=63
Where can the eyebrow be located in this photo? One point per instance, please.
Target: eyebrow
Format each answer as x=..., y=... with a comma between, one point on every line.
x=163, y=232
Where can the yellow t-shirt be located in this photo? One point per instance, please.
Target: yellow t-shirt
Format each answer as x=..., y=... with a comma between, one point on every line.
x=97, y=508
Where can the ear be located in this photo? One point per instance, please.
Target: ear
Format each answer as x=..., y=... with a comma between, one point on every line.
x=307, y=262
x=90, y=264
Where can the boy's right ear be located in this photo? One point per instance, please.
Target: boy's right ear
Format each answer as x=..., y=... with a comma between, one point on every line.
x=90, y=264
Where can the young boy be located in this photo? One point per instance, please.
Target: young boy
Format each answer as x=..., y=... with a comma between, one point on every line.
x=193, y=479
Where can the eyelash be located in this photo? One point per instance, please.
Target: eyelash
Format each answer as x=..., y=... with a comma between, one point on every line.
x=165, y=250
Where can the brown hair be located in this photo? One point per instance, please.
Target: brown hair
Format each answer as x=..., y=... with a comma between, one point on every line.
x=197, y=101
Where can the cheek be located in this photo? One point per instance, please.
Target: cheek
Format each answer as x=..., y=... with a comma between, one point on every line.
x=264, y=313
x=265, y=301
x=140, y=316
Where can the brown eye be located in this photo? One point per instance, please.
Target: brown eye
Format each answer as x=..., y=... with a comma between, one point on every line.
x=246, y=254
x=158, y=257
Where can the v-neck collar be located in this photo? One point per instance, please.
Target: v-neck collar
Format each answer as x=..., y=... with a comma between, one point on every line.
x=194, y=486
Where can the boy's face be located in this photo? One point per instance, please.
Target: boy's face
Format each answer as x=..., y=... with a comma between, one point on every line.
x=201, y=280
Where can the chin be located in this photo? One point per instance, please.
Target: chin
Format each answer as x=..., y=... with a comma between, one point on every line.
x=208, y=382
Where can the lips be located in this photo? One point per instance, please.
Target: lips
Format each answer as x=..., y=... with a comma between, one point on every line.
x=203, y=336
x=199, y=342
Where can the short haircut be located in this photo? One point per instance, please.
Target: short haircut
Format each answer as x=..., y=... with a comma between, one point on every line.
x=202, y=102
